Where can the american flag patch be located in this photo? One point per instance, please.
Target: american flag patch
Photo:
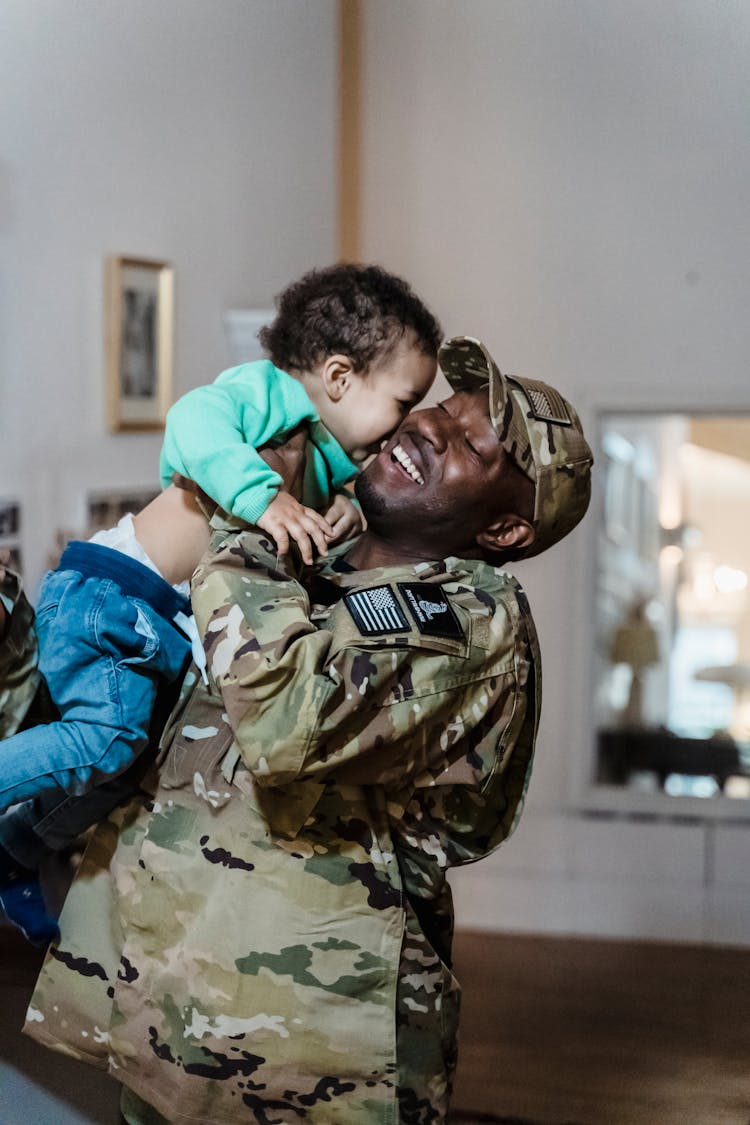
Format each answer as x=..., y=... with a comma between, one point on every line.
x=376, y=611
x=546, y=404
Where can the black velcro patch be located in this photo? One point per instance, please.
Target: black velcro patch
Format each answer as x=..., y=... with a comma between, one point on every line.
x=430, y=608
x=377, y=611
x=546, y=403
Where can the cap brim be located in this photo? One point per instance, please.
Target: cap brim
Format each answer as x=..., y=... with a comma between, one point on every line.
x=467, y=364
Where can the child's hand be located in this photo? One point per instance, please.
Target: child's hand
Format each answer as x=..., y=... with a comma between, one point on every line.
x=345, y=518
x=286, y=518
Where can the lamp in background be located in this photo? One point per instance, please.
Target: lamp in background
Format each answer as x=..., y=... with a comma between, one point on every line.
x=635, y=644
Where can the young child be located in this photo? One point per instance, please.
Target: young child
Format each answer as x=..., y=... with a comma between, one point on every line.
x=352, y=349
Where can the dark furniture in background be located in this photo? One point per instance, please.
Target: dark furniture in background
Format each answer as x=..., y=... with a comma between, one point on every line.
x=623, y=750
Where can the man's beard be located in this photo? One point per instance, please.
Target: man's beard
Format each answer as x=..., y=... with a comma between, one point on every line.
x=372, y=503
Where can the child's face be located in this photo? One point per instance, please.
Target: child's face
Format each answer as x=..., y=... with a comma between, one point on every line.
x=374, y=404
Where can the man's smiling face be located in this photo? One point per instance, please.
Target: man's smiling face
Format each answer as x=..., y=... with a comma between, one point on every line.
x=441, y=478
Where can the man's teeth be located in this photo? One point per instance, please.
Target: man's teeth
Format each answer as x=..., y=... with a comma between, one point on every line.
x=404, y=459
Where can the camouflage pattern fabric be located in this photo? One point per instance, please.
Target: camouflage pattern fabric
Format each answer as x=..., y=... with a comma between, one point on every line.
x=19, y=677
x=278, y=946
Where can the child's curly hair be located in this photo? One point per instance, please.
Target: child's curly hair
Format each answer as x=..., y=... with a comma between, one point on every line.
x=359, y=311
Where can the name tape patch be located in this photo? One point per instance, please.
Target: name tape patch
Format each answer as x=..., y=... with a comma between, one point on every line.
x=431, y=610
x=377, y=611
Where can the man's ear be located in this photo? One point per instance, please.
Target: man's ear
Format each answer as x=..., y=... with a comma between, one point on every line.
x=336, y=373
x=506, y=533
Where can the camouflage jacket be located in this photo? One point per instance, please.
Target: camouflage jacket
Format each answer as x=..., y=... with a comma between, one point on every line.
x=19, y=677
x=279, y=946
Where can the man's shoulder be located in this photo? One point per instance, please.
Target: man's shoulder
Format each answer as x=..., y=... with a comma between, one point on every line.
x=498, y=584
x=489, y=584
x=452, y=606
x=497, y=589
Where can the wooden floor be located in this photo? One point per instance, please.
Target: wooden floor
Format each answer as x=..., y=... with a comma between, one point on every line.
x=603, y=1032
x=554, y=1030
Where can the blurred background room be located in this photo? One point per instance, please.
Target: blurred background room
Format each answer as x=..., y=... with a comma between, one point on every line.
x=570, y=181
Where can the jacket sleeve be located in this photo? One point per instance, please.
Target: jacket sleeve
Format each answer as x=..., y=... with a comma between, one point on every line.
x=461, y=822
x=212, y=436
x=19, y=677
x=306, y=701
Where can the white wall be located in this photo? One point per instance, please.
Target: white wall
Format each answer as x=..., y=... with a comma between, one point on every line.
x=571, y=181
x=197, y=131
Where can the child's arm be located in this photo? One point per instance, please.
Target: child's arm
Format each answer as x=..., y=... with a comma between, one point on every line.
x=173, y=532
x=213, y=437
x=285, y=517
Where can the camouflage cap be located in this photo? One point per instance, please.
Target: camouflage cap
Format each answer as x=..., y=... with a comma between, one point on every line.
x=538, y=429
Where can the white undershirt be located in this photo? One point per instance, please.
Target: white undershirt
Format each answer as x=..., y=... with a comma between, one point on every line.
x=122, y=538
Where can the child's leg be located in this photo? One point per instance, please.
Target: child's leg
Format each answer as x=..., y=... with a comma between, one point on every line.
x=21, y=898
x=102, y=653
x=33, y=831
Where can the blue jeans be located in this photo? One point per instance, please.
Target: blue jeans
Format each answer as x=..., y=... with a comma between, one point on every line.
x=35, y=829
x=106, y=642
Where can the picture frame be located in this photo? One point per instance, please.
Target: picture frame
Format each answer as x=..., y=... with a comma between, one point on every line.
x=139, y=342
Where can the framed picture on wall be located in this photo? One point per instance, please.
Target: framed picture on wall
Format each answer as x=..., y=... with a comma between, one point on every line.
x=139, y=329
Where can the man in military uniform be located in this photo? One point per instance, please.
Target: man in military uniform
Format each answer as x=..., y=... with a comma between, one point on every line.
x=280, y=923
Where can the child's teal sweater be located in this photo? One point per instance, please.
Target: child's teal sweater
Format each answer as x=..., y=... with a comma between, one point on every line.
x=213, y=434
